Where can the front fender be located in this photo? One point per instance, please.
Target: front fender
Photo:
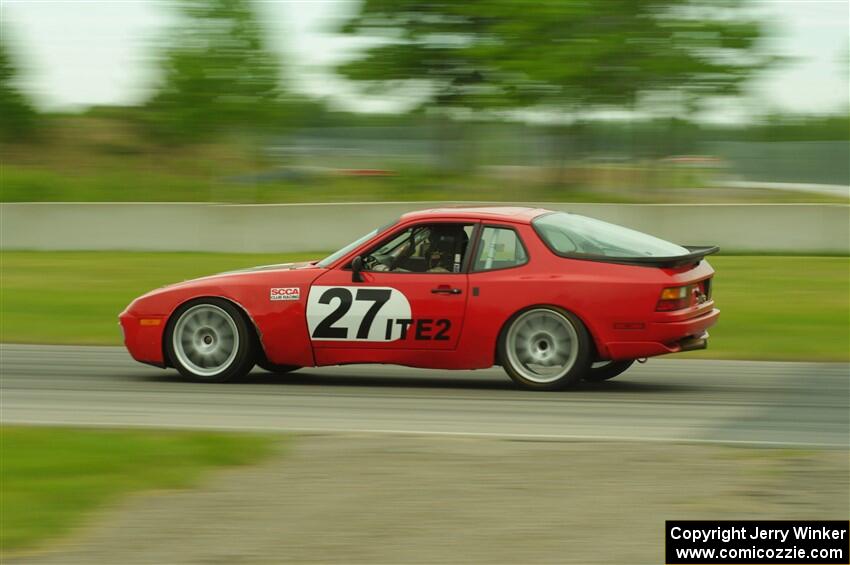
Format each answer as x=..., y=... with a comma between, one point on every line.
x=280, y=323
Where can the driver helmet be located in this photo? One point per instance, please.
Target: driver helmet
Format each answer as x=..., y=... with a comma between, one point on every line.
x=446, y=245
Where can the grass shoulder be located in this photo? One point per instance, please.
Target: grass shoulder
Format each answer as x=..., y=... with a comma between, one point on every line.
x=53, y=478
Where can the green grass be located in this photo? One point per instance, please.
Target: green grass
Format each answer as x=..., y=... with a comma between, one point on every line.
x=75, y=297
x=108, y=158
x=52, y=478
x=783, y=308
x=113, y=183
x=41, y=185
x=773, y=307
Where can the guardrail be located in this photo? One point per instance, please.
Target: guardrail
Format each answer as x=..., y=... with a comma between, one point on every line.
x=797, y=228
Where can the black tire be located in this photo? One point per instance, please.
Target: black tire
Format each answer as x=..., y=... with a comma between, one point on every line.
x=237, y=364
x=276, y=369
x=572, y=373
x=606, y=372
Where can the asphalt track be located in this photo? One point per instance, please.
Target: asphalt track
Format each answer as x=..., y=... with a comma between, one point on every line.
x=759, y=403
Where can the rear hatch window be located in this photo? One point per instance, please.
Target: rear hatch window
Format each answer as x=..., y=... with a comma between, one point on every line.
x=580, y=237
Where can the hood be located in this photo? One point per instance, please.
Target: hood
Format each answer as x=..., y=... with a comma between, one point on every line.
x=245, y=286
x=301, y=266
x=278, y=267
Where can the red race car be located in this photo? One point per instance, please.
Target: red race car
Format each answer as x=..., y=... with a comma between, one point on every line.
x=552, y=297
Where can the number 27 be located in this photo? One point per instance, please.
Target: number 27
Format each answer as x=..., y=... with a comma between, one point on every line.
x=326, y=329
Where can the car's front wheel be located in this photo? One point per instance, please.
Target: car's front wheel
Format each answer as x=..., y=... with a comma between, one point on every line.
x=604, y=370
x=545, y=348
x=209, y=340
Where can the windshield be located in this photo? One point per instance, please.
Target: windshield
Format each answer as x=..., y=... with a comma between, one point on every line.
x=571, y=234
x=351, y=246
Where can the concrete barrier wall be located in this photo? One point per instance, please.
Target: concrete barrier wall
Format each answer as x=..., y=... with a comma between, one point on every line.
x=316, y=227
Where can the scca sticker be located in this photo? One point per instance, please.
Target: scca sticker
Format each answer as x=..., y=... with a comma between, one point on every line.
x=287, y=293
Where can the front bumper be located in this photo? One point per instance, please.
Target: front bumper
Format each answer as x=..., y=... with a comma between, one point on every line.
x=143, y=337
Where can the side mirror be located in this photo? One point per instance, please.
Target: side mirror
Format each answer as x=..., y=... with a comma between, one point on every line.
x=356, y=268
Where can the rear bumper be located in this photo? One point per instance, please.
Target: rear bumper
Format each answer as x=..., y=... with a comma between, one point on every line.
x=661, y=338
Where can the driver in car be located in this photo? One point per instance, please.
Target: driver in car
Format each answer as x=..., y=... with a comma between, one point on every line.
x=441, y=251
x=445, y=249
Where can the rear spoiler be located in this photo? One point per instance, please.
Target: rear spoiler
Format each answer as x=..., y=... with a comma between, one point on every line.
x=697, y=252
x=695, y=255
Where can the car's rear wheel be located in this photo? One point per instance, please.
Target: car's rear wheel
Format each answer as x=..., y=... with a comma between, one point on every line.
x=545, y=348
x=209, y=340
x=604, y=370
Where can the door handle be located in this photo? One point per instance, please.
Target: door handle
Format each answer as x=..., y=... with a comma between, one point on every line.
x=444, y=289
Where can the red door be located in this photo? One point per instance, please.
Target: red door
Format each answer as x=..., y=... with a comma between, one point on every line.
x=387, y=310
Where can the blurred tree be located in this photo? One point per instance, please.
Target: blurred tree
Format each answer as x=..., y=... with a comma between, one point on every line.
x=567, y=57
x=591, y=54
x=17, y=116
x=217, y=74
x=427, y=47
x=425, y=42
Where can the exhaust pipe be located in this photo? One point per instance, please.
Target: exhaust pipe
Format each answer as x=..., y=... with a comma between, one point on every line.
x=694, y=342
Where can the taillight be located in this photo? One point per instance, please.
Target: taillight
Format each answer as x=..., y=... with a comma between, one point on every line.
x=675, y=298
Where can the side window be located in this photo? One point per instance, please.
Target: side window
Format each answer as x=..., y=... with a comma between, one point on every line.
x=424, y=248
x=499, y=248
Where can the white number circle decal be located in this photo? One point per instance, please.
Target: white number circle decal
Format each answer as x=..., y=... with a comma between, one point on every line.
x=355, y=313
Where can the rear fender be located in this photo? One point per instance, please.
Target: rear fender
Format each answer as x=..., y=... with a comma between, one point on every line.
x=598, y=345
